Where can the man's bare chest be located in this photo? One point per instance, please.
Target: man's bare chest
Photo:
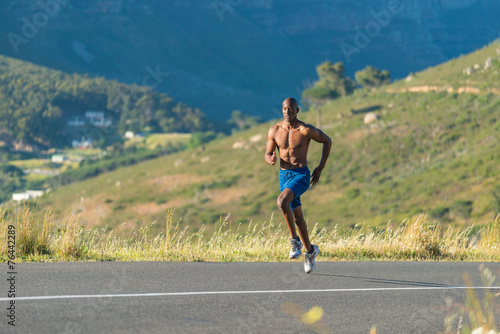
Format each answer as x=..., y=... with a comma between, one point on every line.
x=292, y=139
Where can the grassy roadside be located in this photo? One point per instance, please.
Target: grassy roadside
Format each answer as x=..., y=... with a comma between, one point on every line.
x=67, y=239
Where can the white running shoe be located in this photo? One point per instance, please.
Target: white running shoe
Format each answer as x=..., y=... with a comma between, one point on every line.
x=310, y=262
x=295, y=251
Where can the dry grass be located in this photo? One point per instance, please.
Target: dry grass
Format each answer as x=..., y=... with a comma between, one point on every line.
x=417, y=238
x=474, y=316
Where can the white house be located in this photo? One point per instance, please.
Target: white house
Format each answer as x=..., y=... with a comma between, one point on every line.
x=34, y=193
x=58, y=158
x=20, y=196
x=27, y=195
x=96, y=118
x=129, y=134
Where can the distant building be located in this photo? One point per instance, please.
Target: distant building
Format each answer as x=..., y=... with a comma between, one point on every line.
x=94, y=113
x=58, y=158
x=34, y=193
x=129, y=134
x=77, y=121
x=20, y=197
x=28, y=194
x=84, y=143
x=93, y=117
x=96, y=118
x=105, y=122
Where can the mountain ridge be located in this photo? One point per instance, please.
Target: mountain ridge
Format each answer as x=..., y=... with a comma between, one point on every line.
x=247, y=54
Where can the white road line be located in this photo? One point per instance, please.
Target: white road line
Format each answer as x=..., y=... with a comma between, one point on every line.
x=194, y=293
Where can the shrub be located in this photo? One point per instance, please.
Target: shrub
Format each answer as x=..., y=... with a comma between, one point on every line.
x=462, y=208
x=352, y=193
x=496, y=198
x=439, y=212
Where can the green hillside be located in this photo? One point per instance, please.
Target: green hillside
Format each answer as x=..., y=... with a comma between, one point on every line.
x=36, y=104
x=469, y=73
x=434, y=152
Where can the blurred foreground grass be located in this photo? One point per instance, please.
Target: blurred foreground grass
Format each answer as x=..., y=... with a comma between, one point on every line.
x=473, y=316
x=67, y=239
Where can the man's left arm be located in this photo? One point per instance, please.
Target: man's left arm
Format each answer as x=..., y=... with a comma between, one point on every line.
x=320, y=137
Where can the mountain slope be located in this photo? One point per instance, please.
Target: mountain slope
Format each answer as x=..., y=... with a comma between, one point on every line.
x=37, y=104
x=476, y=72
x=434, y=152
x=244, y=54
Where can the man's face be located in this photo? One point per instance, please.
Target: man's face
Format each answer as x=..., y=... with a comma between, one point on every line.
x=289, y=111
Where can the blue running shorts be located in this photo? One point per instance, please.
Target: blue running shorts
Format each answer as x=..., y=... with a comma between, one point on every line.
x=297, y=180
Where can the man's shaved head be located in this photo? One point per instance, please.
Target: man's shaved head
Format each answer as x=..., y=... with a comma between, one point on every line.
x=291, y=101
x=290, y=109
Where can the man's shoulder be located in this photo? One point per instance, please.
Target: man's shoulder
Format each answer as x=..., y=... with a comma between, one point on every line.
x=304, y=127
x=273, y=129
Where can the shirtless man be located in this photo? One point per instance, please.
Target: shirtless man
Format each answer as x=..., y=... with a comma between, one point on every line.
x=292, y=137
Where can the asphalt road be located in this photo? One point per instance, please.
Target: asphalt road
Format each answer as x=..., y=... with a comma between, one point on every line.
x=169, y=297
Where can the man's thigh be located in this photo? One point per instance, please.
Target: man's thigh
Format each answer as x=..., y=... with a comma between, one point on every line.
x=287, y=194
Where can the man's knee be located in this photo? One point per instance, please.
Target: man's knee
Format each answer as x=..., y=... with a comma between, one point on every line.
x=282, y=203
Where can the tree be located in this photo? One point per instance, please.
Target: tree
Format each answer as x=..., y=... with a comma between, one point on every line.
x=371, y=77
x=316, y=96
x=332, y=76
x=243, y=121
x=332, y=84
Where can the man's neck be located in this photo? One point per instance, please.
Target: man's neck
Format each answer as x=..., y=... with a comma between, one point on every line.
x=290, y=124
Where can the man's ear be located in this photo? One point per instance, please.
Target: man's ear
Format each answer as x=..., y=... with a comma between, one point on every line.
x=298, y=109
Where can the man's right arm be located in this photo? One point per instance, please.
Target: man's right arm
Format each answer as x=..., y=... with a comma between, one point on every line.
x=270, y=155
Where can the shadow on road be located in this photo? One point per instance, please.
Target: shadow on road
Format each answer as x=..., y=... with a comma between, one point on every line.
x=388, y=281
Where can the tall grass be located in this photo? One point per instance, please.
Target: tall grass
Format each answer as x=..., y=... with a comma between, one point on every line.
x=475, y=316
x=417, y=238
